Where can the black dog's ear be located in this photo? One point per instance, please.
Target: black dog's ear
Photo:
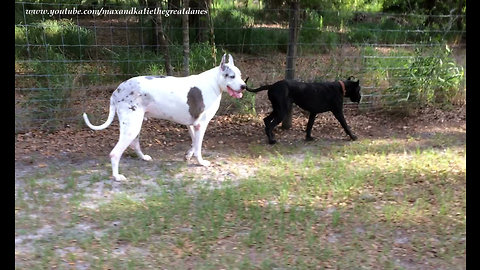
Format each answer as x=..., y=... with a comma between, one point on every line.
x=246, y=80
x=353, y=79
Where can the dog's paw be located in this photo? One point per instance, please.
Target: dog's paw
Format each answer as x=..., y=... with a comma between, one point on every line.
x=204, y=163
x=119, y=177
x=188, y=155
x=309, y=139
x=353, y=137
x=147, y=158
x=272, y=141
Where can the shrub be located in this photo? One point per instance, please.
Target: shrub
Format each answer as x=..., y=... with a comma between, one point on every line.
x=62, y=36
x=138, y=62
x=50, y=100
x=314, y=37
x=426, y=76
x=433, y=77
x=142, y=62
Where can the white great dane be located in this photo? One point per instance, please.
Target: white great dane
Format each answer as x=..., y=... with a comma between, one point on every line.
x=191, y=101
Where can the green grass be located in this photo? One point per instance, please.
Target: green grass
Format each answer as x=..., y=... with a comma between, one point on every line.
x=370, y=203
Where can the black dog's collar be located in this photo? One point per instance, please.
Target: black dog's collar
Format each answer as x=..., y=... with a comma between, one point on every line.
x=343, y=87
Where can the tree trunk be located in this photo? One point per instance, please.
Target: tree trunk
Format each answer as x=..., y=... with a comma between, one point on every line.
x=161, y=41
x=291, y=54
x=211, y=31
x=186, y=41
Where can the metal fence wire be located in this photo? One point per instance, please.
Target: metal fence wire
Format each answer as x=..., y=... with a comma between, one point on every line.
x=70, y=57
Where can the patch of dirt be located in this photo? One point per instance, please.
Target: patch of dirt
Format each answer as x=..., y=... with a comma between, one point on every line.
x=232, y=133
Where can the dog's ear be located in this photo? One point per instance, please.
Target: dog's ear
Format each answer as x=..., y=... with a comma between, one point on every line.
x=353, y=79
x=230, y=60
x=222, y=64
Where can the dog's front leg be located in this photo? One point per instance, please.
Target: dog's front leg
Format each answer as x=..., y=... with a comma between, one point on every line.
x=339, y=116
x=311, y=119
x=199, y=132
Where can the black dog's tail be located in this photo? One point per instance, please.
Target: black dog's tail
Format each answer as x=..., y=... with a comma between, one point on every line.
x=261, y=88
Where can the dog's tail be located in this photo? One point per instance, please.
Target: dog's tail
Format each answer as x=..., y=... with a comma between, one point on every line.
x=261, y=88
x=111, y=115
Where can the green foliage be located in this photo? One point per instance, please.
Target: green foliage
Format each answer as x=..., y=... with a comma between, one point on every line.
x=246, y=104
x=425, y=6
x=201, y=58
x=384, y=31
x=140, y=62
x=62, y=36
x=230, y=17
x=51, y=99
x=234, y=31
x=314, y=35
x=427, y=76
x=433, y=77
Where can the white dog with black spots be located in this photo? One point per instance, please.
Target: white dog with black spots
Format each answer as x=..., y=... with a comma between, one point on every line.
x=190, y=101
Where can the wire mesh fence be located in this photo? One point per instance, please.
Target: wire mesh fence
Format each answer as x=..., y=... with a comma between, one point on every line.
x=69, y=57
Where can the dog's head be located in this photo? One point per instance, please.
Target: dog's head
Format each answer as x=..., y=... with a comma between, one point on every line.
x=230, y=78
x=352, y=86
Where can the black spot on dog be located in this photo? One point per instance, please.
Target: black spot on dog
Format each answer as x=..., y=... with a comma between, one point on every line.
x=133, y=108
x=131, y=93
x=154, y=77
x=195, y=102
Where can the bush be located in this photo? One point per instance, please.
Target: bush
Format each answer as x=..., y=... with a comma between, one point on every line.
x=234, y=32
x=426, y=76
x=138, y=62
x=143, y=62
x=62, y=36
x=50, y=100
x=314, y=37
x=433, y=78
x=201, y=57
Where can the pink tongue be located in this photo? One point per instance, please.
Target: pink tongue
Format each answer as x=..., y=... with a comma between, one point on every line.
x=234, y=93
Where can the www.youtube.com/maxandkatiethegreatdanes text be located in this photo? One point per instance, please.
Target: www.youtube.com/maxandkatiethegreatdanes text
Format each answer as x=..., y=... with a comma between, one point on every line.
x=103, y=11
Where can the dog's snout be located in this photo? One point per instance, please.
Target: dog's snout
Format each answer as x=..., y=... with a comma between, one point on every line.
x=243, y=86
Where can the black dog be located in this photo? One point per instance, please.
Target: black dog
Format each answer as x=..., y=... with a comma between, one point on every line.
x=313, y=97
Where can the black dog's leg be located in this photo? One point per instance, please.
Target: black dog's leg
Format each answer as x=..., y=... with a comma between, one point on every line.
x=341, y=119
x=311, y=119
x=271, y=122
x=268, y=127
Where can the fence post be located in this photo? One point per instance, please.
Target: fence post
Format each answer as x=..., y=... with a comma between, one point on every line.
x=291, y=53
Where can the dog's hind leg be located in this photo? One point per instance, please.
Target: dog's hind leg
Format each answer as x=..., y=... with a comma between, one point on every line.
x=271, y=122
x=340, y=117
x=268, y=129
x=130, y=125
x=189, y=153
x=136, y=146
x=311, y=119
